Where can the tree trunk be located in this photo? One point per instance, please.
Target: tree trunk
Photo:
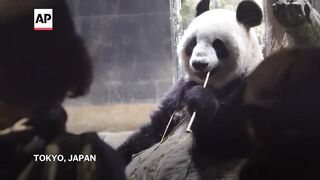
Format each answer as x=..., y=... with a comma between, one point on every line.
x=275, y=35
x=176, y=31
x=315, y=4
x=294, y=23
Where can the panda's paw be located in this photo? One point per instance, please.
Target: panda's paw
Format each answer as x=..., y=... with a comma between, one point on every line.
x=202, y=100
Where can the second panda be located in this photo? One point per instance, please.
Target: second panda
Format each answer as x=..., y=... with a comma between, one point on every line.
x=222, y=42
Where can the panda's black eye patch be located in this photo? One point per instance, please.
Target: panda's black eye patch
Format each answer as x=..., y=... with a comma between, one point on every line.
x=220, y=49
x=190, y=46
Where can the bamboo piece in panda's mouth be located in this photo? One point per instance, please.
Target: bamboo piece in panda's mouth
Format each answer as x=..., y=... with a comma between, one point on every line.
x=194, y=113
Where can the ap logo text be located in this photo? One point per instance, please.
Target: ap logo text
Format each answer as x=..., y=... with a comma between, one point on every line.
x=43, y=19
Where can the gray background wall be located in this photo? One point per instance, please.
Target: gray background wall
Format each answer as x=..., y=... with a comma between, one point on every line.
x=129, y=41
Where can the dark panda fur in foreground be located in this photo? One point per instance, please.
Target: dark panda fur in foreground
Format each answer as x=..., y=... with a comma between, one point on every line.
x=282, y=98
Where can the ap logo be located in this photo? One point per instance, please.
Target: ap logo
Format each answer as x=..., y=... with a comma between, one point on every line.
x=43, y=19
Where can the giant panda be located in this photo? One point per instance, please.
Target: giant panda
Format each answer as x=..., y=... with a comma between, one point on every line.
x=224, y=43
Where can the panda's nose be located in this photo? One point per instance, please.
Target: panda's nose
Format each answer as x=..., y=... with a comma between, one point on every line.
x=199, y=66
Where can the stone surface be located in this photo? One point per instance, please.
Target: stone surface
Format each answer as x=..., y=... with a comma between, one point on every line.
x=112, y=118
x=115, y=139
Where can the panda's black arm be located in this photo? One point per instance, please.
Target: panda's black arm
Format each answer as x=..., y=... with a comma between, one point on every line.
x=152, y=132
x=225, y=133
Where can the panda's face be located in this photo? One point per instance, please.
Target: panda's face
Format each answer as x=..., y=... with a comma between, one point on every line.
x=206, y=53
x=215, y=41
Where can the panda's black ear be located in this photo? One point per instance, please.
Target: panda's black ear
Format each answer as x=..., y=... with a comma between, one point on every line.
x=202, y=7
x=249, y=13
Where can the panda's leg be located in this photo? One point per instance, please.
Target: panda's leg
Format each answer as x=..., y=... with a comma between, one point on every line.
x=146, y=136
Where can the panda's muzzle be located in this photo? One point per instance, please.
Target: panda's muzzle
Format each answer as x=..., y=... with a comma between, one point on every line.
x=200, y=66
x=203, y=74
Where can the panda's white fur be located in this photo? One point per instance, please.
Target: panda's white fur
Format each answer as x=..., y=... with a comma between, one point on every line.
x=224, y=44
x=240, y=41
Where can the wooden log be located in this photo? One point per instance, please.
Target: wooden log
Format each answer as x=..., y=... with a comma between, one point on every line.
x=171, y=159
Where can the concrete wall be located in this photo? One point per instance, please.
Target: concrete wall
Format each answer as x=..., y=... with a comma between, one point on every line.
x=129, y=41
